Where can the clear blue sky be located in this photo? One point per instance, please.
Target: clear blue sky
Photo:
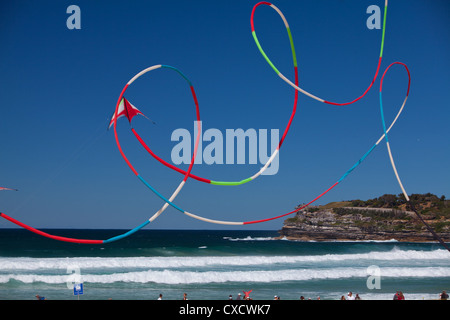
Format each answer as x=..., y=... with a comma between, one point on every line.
x=59, y=87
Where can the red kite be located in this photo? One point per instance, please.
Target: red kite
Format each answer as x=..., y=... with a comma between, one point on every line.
x=128, y=110
x=3, y=188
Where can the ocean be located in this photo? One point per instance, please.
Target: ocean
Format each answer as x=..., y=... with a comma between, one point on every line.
x=214, y=264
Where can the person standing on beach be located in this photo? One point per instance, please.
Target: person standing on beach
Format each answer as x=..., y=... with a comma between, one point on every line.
x=443, y=295
x=399, y=296
x=185, y=296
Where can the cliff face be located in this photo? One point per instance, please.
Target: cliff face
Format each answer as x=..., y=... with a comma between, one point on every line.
x=328, y=223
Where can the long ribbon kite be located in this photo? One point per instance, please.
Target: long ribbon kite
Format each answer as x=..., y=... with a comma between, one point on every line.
x=129, y=111
x=391, y=158
x=124, y=108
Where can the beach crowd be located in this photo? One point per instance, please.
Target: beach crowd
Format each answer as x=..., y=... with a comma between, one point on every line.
x=350, y=296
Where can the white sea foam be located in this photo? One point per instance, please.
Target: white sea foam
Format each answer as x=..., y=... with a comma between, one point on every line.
x=29, y=264
x=284, y=238
x=193, y=277
x=249, y=238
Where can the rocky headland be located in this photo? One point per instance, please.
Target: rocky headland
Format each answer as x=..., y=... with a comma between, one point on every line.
x=385, y=218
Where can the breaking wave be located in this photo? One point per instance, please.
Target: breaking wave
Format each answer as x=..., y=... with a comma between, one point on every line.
x=192, y=277
x=30, y=264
